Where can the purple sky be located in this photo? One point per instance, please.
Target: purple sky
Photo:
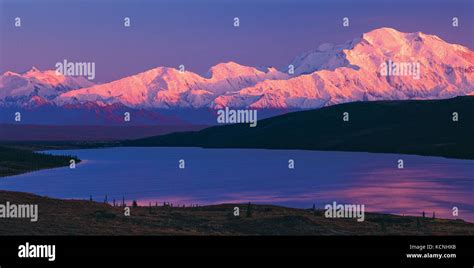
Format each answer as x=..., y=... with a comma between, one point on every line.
x=200, y=34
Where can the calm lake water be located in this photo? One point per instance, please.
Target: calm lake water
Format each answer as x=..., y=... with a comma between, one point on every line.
x=214, y=176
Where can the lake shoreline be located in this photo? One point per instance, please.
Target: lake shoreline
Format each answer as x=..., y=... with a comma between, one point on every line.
x=40, y=149
x=78, y=217
x=262, y=195
x=16, y=161
x=337, y=178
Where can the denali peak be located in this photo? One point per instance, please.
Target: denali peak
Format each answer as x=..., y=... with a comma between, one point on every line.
x=330, y=74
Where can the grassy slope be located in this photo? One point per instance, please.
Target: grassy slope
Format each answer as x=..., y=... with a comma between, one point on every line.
x=73, y=217
x=409, y=127
x=16, y=161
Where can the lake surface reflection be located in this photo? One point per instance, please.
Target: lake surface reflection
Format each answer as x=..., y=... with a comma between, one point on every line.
x=211, y=176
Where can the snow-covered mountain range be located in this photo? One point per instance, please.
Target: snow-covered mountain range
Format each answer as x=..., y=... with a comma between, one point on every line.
x=329, y=75
x=36, y=87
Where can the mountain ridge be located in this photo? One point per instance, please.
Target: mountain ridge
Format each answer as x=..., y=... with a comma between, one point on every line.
x=326, y=76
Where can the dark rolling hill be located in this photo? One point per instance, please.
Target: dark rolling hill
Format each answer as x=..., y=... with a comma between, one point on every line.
x=423, y=127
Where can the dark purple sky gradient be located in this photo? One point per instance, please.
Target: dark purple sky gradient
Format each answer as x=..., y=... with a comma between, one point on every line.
x=200, y=34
